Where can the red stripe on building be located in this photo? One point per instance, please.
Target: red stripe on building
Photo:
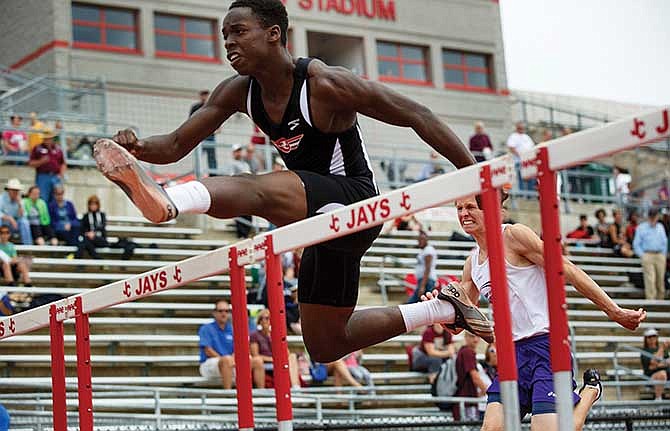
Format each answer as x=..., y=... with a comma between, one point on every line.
x=39, y=52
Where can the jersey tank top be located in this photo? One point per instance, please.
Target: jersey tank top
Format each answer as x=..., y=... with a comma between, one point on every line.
x=301, y=145
x=527, y=294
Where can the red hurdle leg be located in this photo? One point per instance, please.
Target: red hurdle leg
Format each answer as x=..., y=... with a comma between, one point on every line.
x=58, y=371
x=238, y=299
x=275, y=288
x=507, y=371
x=561, y=363
x=84, y=368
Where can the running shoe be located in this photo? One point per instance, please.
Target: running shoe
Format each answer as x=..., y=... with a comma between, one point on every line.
x=468, y=315
x=592, y=379
x=122, y=168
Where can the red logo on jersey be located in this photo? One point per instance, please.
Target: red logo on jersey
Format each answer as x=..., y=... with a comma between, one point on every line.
x=286, y=145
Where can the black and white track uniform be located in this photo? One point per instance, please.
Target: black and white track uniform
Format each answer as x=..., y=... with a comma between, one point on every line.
x=336, y=171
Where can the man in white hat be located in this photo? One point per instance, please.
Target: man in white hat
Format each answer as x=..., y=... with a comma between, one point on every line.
x=12, y=213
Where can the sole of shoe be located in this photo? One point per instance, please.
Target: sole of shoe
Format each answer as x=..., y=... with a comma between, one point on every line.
x=120, y=167
x=480, y=326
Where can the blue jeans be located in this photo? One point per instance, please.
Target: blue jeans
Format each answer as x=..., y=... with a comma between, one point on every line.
x=430, y=284
x=524, y=185
x=46, y=183
x=23, y=230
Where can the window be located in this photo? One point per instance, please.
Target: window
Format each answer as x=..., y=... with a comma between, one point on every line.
x=186, y=38
x=466, y=71
x=403, y=63
x=103, y=28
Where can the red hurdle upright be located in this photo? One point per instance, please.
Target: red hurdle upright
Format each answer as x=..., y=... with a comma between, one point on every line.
x=507, y=371
x=58, y=370
x=238, y=301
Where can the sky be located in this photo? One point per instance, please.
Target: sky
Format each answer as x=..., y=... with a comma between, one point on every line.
x=606, y=49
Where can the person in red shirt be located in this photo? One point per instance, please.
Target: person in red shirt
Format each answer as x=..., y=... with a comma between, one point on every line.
x=435, y=347
x=468, y=378
x=480, y=144
x=633, y=221
x=49, y=163
x=14, y=141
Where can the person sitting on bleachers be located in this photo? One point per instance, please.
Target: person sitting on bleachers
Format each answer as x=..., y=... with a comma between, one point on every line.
x=19, y=269
x=617, y=234
x=469, y=383
x=602, y=228
x=631, y=227
x=656, y=364
x=435, y=347
x=12, y=213
x=37, y=213
x=358, y=371
x=341, y=375
x=94, y=233
x=64, y=219
x=583, y=231
x=260, y=346
x=93, y=228
x=216, y=349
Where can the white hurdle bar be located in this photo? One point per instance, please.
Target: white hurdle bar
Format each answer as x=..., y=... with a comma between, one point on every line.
x=558, y=154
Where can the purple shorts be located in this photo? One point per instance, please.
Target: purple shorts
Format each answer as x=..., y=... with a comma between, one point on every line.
x=535, y=378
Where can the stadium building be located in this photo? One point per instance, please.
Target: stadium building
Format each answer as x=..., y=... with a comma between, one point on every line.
x=152, y=58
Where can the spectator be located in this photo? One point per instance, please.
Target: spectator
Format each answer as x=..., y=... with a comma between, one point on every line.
x=19, y=267
x=34, y=138
x=617, y=235
x=293, y=323
x=664, y=193
x=216, y=349
x=435, y=348
x=260, y=346
x=547, y=135
x=338, y=369
x=621, y=181
x=395, y=172
x=583, y=231
x=49, y=163
x=425, y=269
x=209, y=144
x=469, y=383
x=93, y=228
x=488, y=370
x=359, y=372
x=12, y=212
x=480, y=144
x=518, y=143
x=243, y=224
x=432, y=168
x=37, y=213
x=14, y=141
x=602, y=228
x=633, y=222
x=255, y=163
x=4, y=419
x=64, y=219
x=490, y=361
x=651, y=245
x=407, y=222
x=655, y=366
x=238, y=165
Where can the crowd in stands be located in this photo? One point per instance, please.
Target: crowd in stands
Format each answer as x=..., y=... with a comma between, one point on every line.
x=647, y=240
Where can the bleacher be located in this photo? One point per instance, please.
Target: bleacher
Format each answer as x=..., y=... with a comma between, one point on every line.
x=153, y=341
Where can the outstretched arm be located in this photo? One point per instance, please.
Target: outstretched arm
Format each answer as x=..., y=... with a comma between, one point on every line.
x=524, y=242
x=346, y=94
x=228, y=98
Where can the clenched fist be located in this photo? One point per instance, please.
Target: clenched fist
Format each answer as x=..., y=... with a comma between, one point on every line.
x=128, y=140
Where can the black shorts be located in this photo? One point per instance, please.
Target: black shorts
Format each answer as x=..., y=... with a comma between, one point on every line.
x=330, y=271
x=42, y=230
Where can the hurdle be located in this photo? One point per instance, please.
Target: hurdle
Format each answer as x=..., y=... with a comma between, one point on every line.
x=484, y=179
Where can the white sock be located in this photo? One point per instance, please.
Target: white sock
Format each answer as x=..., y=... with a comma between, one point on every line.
x=426, y=313
x=190, y=198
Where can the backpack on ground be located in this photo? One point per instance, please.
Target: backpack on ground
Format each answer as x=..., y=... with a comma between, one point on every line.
x=445, y=383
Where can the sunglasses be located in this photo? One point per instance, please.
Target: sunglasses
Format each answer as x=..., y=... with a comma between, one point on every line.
x=222, y=310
